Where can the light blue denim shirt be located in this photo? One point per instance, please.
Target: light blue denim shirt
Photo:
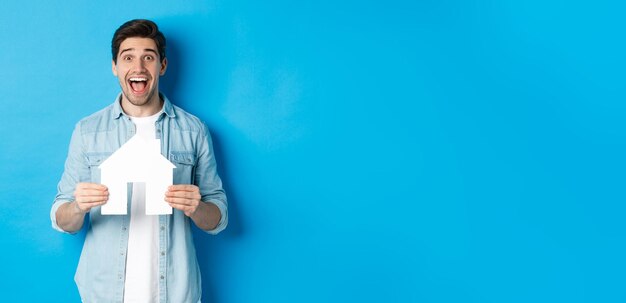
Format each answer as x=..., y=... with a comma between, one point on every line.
x=186, y=142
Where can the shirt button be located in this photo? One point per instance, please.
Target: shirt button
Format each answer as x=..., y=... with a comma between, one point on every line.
x=162, y=277
x=123, y=228
x=162, y=227
x=162, y=253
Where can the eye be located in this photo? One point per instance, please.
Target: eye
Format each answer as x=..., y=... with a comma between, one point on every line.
x=149, y=58
x=127, y=58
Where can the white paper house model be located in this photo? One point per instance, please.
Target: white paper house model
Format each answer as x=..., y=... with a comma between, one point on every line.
x=138, y=160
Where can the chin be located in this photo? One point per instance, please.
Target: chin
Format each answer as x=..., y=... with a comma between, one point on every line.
x=138, y=100
x=138, y=103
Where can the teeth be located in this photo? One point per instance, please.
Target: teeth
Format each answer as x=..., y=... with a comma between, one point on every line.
x=138, y=79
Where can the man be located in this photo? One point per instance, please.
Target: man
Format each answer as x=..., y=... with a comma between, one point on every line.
x=137, y=257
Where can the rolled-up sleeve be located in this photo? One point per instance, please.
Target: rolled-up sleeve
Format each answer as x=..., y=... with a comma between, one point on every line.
x=76, y=170
x=208, y=180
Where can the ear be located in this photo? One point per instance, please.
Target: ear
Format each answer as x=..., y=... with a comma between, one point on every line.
x=114, y=68
x=163, y=67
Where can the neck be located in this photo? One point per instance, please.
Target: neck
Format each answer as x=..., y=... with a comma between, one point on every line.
x=149, y=108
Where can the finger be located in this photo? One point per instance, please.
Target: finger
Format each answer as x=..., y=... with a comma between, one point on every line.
x=96, y=186
x=183, y=194
x=183, y=187
x=89, y=205
x=180, y=201
x=90, y=195
x=90, y=199
x=92, y=192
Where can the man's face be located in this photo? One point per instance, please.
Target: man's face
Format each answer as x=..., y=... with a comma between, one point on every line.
x=138, y=69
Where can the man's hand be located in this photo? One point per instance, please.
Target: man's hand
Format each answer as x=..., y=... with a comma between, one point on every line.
x=187, y=199
x=70, y=216
x=90, y=195
x=184, y=197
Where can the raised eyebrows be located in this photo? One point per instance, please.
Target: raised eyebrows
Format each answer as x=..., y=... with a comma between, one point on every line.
x=132, y=49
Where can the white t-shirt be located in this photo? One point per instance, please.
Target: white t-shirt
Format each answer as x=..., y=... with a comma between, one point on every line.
x=142, y=260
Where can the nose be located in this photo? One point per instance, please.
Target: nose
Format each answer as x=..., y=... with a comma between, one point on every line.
x=139, y=65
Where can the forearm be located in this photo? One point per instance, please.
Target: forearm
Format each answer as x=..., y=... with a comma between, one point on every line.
x=69, y=217
x=207, y=216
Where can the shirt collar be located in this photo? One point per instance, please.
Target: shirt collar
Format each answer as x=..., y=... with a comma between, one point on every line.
x=117, y=112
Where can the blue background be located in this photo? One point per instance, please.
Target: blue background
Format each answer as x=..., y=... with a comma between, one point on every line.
x=373, y=151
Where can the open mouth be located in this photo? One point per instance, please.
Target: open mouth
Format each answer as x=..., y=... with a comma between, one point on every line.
x=138, y=84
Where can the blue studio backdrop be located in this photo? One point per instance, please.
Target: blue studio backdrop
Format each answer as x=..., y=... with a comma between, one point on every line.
x=372, y=151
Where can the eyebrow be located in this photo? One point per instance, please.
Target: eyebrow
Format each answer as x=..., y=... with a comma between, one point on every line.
x=145, y=49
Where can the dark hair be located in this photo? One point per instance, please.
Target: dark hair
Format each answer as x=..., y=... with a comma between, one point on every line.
x=138, y=28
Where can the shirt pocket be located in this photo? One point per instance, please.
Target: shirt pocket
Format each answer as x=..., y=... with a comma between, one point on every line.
x=94, y=160
x=185, y=163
